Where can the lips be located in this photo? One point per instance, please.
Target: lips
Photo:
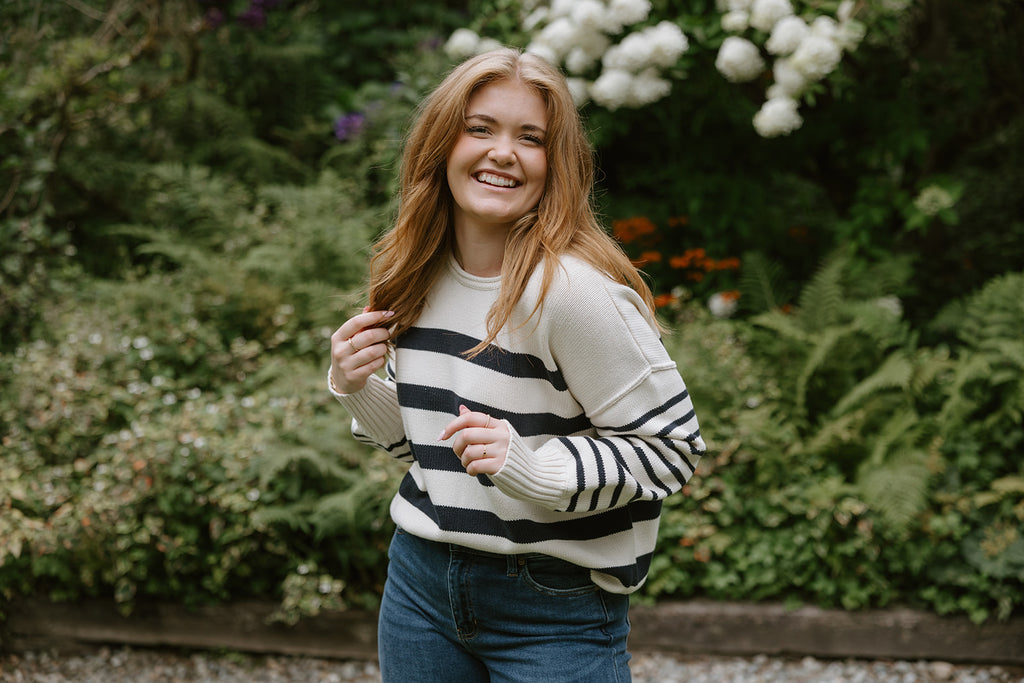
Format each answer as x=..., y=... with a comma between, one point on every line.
x=496, y=180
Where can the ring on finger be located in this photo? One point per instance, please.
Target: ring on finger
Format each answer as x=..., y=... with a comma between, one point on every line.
x=488, y=422
x=485, y=451
x=353, y=345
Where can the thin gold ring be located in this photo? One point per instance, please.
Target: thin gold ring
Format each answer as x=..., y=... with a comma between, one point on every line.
x=485, y=451
x=350, y=343
x=488, y=422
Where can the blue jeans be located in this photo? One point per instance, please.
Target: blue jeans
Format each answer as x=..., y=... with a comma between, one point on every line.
x=454, y=614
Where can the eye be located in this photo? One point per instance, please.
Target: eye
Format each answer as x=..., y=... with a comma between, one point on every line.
x=534, y=140
x=477, y=130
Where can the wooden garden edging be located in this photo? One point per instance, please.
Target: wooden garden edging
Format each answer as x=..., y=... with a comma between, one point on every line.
x=690, y=628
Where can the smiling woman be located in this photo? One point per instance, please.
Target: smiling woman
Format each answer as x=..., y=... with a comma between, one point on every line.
x=530, y=509
x=497, y=171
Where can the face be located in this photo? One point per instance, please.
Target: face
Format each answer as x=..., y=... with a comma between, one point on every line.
x=498, y=167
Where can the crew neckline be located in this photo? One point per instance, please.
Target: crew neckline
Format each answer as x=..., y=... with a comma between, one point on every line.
x=469, y=280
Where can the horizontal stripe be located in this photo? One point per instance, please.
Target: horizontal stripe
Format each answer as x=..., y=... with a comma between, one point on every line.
x=441, y=458
x=527, y=531
x=419, y=397
x=517, y=365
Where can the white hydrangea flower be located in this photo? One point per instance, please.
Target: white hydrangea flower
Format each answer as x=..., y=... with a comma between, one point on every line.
x=561, y=8
x=623, y=13
x=559, y=35
x=462, y=43
x=612, y=89
x=722, y=305
x=816, y=57
x=846, y=10
x=725, y=6
x=735, y=21
x=631, y=54
x=579, y=89
x=578, y=61
x=790, y=80
x=787, y=34
x=764, y=14
x=648, y=87
x=777, y=116
x=739, y=60
x=850, y=35
x=668, y=43
x=543, y=51
x=825, y=27
x=593, y=43
x=487, y=44
x=589, y=14
x=933, y=199
x=535, y=18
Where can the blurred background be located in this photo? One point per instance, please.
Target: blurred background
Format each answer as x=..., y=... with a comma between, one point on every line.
x=825, y=196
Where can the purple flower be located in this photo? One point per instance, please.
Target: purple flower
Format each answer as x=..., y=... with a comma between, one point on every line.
x=214, y=18
x=348, y=126
x=254, y=17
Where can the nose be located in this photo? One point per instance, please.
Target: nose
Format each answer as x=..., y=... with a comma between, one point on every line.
x=502, y=153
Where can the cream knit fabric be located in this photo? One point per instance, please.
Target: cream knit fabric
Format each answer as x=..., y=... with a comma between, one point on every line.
x=601, y=421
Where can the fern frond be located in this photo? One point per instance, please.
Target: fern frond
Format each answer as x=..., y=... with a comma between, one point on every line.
x=823, y=344
x=896, y=372
x=760, y=282
x=821, y=298
x=784, y=325
x=897, y=490
x=292, y=517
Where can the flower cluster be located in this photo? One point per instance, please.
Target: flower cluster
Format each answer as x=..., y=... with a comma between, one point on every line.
x=805, y=50
x=580, y=36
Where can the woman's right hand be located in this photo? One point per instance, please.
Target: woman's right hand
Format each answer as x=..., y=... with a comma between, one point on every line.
x=359, y=349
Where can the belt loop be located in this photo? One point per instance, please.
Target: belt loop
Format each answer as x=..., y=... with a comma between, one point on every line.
x=513, y=565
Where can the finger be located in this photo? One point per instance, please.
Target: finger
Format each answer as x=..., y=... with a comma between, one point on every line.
x=466, y=418
x=360, y=322
x=366, y=338
x=474, y=453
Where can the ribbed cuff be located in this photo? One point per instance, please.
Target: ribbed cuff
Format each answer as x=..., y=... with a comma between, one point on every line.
x=533, y=476
x=374, y=408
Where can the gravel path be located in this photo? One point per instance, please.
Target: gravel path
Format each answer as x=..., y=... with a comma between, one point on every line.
x=126, y=665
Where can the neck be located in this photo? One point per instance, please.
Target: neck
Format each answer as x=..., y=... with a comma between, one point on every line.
x=480, y=254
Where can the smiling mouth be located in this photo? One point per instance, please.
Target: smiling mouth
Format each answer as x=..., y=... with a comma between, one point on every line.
x=495, y=180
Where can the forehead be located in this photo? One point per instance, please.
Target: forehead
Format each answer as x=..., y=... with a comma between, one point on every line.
x=509, y=100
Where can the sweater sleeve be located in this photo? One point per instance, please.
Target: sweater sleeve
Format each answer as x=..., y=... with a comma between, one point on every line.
x=376, y=419
x=648, y=440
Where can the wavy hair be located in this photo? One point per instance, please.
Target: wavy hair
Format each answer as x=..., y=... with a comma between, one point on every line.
x=408, y=258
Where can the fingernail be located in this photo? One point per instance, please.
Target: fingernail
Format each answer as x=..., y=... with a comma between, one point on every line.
x=387, y=314
x=441, y=436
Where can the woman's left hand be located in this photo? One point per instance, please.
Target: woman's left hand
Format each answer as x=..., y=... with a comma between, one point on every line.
x=481, y=442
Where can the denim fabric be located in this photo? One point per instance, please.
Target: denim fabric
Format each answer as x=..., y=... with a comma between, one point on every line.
x=457, y=615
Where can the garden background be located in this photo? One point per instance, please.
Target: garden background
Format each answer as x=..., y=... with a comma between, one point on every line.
x=188, y=191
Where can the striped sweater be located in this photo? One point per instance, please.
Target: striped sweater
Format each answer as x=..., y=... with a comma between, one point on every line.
x=602, y=427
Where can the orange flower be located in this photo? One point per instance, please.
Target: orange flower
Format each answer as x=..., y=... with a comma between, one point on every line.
x=731, y=295
x=664, y=300
x=676, y=221
x=629, y=229
x=730, y=263
x=651, y=256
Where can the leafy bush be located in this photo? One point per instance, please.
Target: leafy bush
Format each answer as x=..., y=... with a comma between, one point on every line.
x=850, y=467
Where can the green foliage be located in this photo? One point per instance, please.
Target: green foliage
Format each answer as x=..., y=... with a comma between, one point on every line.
x=183, y=223
x=882, y=483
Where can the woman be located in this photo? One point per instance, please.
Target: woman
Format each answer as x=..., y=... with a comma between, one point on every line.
x=527, y=386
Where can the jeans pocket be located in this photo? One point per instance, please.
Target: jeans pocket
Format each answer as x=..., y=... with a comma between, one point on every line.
x=552, y=576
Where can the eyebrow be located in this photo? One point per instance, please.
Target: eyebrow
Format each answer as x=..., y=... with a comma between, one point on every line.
x=490, y=119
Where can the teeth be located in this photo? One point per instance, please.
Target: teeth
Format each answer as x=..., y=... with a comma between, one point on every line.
x=492, y=179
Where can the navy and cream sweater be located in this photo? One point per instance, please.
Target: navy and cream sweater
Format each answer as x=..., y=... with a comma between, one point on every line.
x=602, y=424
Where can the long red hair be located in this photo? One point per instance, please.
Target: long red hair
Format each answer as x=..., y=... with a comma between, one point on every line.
x=408, y=258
